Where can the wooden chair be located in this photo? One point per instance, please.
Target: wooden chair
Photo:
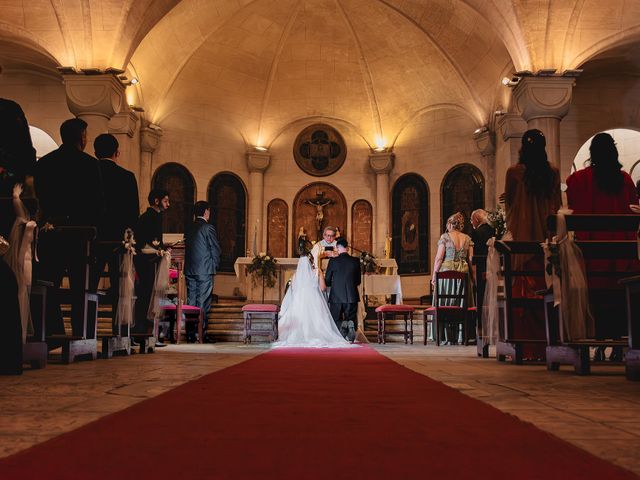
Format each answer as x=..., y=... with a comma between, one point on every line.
x=265, y=311
x=448, y=305
x=191, y=315
x=387, y=312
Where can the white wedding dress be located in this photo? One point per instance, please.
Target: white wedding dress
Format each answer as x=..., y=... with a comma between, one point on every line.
x=305, y=319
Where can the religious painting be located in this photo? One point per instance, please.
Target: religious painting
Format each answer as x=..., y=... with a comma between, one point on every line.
x=316, y=206
x=177, y=180
x=361, y=226
x=410, y=224
x=462, y=191
x=277, y=221
x=228, y=200
x=319, y=150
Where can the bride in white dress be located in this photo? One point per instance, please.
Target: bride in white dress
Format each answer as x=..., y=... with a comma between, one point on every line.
x=305, y=319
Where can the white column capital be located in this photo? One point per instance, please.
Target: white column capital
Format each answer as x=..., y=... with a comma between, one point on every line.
x=100, y=95
x=382, y=162
x=543, y=97
x=150, y=138
x=258, y=161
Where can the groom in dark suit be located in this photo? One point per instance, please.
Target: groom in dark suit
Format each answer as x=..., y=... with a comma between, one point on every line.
x=343, y=276
x=202, y=257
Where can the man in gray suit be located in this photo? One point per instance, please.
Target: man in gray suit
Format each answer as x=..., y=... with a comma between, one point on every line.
x=202, y=257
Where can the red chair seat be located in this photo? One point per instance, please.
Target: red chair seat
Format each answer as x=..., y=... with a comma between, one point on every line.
x=185, y=308
x=473, y=309
x=260, y=307
x=395, y=308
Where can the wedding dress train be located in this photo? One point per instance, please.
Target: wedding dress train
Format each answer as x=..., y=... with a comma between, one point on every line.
x=305, y=319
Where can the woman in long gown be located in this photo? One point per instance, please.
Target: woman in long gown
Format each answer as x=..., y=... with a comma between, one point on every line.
x=455, y=250
x=532, y=193
x=305, y=319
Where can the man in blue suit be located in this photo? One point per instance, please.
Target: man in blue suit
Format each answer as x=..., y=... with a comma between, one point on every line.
x=202, y=257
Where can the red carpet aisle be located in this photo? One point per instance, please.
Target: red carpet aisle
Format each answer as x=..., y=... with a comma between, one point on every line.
x=309, y=414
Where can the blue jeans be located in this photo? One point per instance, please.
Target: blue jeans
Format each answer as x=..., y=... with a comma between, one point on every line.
x=199, y=288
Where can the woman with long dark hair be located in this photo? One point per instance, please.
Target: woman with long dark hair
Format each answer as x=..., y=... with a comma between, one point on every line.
x=602, y=187
x=532, y=193
x=532, y=190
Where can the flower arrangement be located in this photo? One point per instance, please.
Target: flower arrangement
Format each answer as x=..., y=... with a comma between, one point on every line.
x=263, y=265
x=498, y=220
x=368, y=263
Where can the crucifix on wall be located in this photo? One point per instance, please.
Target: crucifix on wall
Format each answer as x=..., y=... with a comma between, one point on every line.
x=319, y=202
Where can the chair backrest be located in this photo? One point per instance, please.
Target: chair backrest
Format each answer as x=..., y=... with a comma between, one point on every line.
x=451, y=289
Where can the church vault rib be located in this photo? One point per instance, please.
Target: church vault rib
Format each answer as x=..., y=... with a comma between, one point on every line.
x=274, y=68
x=366, y=74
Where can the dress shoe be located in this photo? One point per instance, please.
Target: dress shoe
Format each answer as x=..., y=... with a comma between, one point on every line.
x=160, y=345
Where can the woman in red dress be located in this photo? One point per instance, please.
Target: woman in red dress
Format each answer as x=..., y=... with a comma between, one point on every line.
x=603, y=187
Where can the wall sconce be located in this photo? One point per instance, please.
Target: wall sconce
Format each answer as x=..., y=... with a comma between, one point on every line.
x=510, y=82
x=480, y=130
x=260, y=148
x=499, y=113
x=126, y=82
x=136, y=108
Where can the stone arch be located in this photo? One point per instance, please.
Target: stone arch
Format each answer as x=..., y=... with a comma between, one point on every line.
x=180, y=184
x=410, y=224
x=227, y=196
x=277, y=226
x=462, y=190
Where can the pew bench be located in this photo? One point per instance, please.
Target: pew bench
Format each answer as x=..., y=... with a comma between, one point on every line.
x=562, y=351
x=508, y=343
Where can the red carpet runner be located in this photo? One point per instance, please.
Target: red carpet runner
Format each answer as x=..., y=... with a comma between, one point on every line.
x=309, y=414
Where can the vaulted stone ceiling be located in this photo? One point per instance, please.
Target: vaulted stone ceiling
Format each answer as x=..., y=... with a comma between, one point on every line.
x=257, y=66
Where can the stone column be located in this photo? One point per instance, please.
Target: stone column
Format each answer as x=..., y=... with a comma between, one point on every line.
x=123, y=126
x=543, y=102
x=510, y=127
x=486, y=143
x=257, y=163
x=94, y=99
x=149, y=141
x=381, y=163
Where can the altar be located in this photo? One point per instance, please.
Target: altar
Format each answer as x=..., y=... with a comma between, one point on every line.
x=255, y=291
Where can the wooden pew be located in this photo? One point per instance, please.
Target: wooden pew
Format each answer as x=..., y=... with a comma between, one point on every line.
x=82, y=343
x=561, y=351
x=632, y=358
x=118, y=342
x=508, y=344
x=480, y=264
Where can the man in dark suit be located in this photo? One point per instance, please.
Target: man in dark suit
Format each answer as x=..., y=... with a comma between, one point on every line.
x=343, y=276
x=202, y=257
x=120, y=193
x=69, y=190
x=148, y=235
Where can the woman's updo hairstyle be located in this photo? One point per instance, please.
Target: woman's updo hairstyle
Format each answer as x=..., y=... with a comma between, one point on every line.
x=456, y=221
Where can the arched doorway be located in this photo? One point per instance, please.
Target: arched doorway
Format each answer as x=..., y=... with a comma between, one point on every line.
x=462, y=191
x=628, y=145
x=178, y=181
x=410, y=220
x=228, y=199
x=42, y=141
